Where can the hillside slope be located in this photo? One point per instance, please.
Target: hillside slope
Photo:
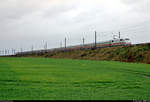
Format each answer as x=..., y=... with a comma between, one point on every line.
x=135, y=53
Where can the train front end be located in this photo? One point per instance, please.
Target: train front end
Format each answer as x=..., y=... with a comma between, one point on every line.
x=127, y=41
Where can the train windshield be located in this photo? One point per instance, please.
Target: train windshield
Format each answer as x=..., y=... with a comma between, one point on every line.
x=121, y=39
x=127, y=40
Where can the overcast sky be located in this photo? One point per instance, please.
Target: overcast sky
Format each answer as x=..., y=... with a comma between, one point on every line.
x=24, y=23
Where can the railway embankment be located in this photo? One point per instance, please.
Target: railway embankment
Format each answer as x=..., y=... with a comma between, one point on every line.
x=135, y=53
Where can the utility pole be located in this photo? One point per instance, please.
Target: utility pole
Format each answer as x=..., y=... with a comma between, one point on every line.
x=5, y=51
x=32, y=48
x=12, y=51
x=21, y=50
x=8, y=51
x=65, y=43
x=95, y=38
x=119, y=34
x=45, y=47
x=114, y=36
x=83, y=41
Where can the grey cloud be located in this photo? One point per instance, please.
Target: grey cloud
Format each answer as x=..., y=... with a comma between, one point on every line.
x=15, y=9
x=27, y=22
x=56, y=11
x=141, y=6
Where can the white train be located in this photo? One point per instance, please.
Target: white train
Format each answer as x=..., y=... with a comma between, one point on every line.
x=110, y=43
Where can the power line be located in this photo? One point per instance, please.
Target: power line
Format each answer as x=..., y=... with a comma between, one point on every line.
x=129, y=29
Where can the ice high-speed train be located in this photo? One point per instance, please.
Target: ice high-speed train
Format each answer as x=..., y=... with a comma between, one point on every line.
x=109, y=43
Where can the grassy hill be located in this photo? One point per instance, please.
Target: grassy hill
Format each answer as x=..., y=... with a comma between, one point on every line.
x=136, y=53
x=57, y=79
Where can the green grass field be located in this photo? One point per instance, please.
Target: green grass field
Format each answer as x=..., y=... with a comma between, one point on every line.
x=65, y=79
